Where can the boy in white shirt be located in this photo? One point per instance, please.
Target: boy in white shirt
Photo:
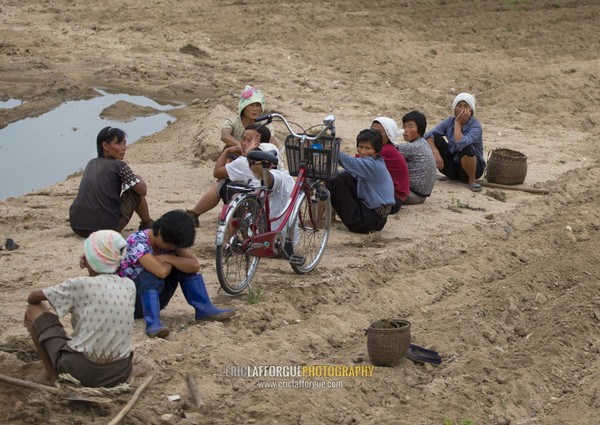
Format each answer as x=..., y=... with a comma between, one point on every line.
x=236, y=171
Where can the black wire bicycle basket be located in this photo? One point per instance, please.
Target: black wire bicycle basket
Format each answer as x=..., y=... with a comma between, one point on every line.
x=321, y=156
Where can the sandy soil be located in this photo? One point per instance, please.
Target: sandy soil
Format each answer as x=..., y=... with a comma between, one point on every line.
x=505, y=290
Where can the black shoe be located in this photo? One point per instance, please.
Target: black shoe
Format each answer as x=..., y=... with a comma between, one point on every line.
x=422, y=355
x=11, y=245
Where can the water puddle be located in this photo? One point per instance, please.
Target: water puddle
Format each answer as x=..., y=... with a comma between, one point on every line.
x=41, y=151
x=10, y=103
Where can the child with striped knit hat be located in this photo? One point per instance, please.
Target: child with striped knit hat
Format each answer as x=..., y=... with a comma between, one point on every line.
x=99, y=352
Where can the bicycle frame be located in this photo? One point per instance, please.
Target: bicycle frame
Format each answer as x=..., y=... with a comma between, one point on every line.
x=269, y=243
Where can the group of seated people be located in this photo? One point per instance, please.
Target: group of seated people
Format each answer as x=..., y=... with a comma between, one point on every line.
x=360, y=194
x=138, y=275
x=385, y=175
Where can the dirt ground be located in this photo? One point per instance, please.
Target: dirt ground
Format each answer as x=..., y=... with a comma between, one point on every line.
x=503, y=283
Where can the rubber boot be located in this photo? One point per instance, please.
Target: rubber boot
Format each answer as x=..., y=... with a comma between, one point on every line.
x=195, y=294
x=151, y=309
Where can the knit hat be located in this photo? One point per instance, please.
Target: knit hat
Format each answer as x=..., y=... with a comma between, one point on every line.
x=390, y=127
x=467, y=97
x=249, y=96
x=104, y=251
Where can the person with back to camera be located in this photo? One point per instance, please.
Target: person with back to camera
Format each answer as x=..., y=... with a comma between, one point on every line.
x=236, y=171
x=419, y=158
x=99, y=352
x=250, y=106
x=457, y=143
x=159, y=259
x=363, y=194
x=394, y=161
x=109, y=191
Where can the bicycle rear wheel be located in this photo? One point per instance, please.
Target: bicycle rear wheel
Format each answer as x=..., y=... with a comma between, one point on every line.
x=235, y=266
x=309, y=228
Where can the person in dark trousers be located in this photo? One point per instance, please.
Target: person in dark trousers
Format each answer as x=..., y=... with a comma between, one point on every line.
x=363, y=194
x=457, y=143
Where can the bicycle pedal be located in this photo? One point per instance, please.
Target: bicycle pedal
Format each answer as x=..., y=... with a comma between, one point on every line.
x=297, y=260
x=288, y=249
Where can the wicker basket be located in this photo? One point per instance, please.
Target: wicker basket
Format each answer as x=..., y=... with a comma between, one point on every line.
x=506, y=166
x=388, y=346
x=321, y=157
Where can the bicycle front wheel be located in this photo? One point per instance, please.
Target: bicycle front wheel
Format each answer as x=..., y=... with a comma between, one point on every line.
x=235, y=266
x=309, y=228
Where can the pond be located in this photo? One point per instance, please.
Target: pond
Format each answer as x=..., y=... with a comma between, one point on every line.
x=10, y=103
x=44, y=150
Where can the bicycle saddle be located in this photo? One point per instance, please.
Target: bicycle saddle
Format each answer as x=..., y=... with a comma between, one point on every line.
x=258, y=155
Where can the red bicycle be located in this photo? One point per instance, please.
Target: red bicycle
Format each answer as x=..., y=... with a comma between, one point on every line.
x=245, y=232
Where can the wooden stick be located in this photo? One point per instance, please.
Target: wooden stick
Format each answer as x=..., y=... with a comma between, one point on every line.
x=507, y=187
x=193, y=387
x=117, y=419
x=29, y=384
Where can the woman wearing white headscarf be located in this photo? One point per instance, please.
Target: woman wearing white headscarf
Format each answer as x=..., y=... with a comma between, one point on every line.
x=457, y=143
x=394, y=161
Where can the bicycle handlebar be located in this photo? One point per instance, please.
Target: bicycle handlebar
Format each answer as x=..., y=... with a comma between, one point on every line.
x=328, y=122
x=264, y=117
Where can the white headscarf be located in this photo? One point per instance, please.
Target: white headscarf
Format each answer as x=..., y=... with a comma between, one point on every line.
x=390, y=127
x=467, y=97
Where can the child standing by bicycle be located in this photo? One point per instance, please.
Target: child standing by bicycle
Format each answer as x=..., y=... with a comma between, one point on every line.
x=363, y=195
x=159, y=259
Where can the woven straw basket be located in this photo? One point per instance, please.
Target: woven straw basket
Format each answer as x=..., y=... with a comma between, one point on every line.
x=388, y=346
x=506, y=166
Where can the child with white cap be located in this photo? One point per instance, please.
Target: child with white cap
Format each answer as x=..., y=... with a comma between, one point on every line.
x=99, y=352
x=457, y=143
